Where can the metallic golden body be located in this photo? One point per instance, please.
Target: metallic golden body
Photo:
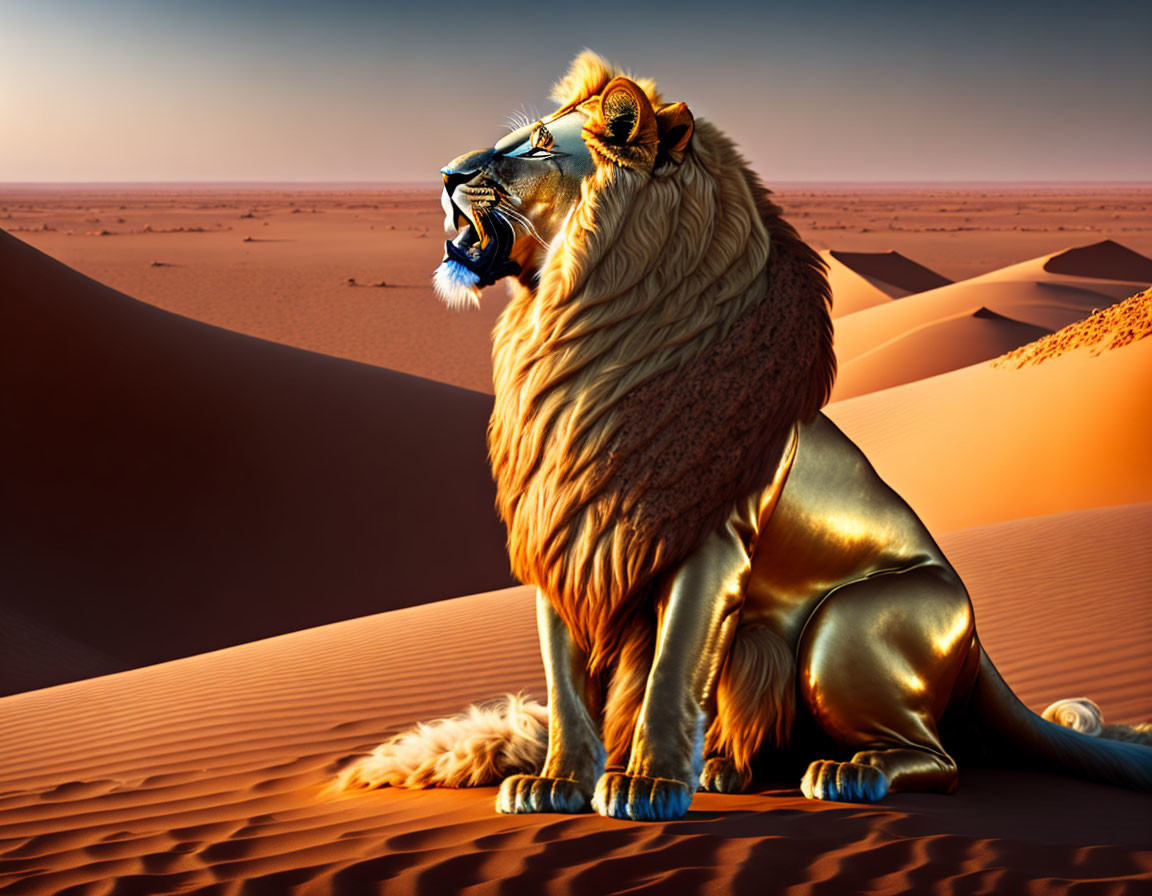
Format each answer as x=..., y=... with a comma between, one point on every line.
x=835, y=564
x=880, y=623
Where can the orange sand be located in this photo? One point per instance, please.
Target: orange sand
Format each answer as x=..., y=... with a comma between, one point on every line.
x=985, y=444
x=290, y=282
x=1113, y=327
x=936, y=347
x=178, y=487
x=172, y=488
x=210, y=771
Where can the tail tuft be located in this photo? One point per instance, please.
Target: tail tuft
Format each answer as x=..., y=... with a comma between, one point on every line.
x=481, y=745
x=1083, y=715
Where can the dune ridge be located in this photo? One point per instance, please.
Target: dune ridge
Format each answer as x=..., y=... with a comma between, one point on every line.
x=1106, y=259
x=851, y=291
x=893, y=273
x=1109, y=328
x=936, y=347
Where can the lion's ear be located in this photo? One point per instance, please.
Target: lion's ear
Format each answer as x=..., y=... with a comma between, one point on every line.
x=621, y=125
x=626, y=114
x=675, y=125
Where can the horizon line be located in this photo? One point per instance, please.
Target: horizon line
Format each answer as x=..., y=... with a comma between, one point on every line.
x=430, y=183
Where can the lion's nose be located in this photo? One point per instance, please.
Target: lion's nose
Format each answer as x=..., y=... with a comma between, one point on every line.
x=463, y=168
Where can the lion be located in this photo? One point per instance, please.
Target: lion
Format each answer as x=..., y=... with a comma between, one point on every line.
x=718, y=567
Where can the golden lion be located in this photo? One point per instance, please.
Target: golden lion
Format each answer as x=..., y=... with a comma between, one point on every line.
x=717, y=565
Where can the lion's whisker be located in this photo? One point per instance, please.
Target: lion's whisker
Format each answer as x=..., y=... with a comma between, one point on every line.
x=517, y=120
x=506, y=209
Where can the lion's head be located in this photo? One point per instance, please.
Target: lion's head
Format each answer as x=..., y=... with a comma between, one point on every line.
x=509, y=201
x=666, y=330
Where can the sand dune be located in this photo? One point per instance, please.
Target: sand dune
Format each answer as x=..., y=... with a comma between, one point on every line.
x=933, y=348
x=275, y=262
x=208, y=773
x=1109, y=328
x=1030, y=292
x=893, y=273
x=1062, y=603
x=261, y=489
x=986, y=444
x=174, y=488
x=862, y=280
x=851, y=292
x=1107, y=260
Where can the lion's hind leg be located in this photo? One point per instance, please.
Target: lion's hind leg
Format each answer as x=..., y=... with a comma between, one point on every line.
x=755, y=703
x=878, y=663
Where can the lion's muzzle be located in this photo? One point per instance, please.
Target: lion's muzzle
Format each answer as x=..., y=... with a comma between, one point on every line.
x=478, y=255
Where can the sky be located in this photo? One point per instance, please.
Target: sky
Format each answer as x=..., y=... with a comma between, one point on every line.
x=346, y=90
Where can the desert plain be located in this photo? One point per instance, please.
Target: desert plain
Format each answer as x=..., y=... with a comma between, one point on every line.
x=248, y=532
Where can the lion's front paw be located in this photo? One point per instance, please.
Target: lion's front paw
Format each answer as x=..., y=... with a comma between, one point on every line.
x=621, y=795
x=720, y=775
x=844, y=782
x=528, y=793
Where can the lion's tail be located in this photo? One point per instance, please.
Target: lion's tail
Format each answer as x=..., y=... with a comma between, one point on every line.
x=481, y=745
x=1028, y=737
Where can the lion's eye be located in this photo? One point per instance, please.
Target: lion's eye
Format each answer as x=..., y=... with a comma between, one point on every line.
x=539, y=144
x=540, y=138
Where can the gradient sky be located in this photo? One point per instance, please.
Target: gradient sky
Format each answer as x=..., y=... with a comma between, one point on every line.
x=185, y=90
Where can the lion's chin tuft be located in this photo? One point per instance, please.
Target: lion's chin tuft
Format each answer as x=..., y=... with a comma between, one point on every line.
x=456, y=285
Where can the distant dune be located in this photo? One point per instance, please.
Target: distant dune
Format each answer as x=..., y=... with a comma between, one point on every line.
x=891, y=272
x=174, y=488
x=932, y=348
x=851, y=291
x=1106, y=260
x=862, y=280
x=1028, y=292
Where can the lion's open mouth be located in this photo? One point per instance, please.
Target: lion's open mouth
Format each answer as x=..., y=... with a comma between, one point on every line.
x=480, y=254
x=484, y=247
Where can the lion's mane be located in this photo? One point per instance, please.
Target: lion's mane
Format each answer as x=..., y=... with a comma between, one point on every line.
x=678, y=329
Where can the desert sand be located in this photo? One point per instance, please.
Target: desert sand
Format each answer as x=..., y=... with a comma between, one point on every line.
x=172, y=487
x=275, y=263
x=175, y=487
x=1039, y=293
x=209, y=774
x=862, y=280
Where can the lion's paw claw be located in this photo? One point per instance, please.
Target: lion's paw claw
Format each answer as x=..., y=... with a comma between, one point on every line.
x=720, y=775
x=844, y=782
x=521, y=794
x=639, y=798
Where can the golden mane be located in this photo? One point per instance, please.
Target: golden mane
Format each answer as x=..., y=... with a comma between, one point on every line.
x=678, y=330
x=588, y=75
